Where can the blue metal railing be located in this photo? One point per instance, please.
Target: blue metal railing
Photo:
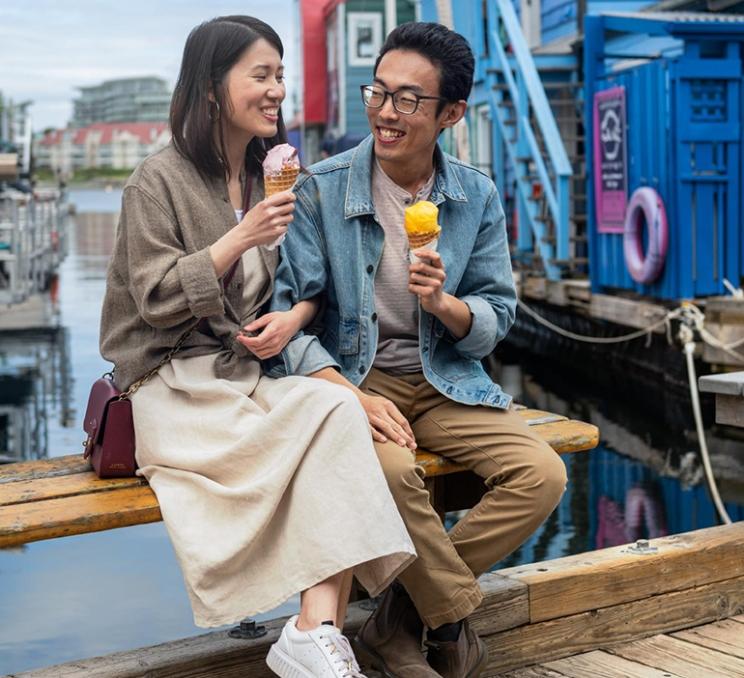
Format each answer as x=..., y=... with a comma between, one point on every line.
x=524, y=96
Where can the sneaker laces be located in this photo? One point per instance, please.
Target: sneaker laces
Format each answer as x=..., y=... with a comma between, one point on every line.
x=342, y=656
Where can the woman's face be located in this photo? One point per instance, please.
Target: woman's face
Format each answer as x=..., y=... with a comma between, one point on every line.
x=254, y=90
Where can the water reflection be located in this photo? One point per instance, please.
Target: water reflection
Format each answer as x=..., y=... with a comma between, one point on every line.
x=34, y=389
x=645, y=478
x=57, y=601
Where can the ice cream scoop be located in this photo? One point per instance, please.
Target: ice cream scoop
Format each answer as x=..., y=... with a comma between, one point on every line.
x=280, y=168
x=420, y=220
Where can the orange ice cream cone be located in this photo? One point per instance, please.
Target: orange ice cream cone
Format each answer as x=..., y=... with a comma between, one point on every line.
x=421, y=224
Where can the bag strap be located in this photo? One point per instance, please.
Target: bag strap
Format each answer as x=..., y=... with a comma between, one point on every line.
x=163, y=361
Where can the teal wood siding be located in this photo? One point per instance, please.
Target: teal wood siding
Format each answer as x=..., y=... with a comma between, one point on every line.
x=356, y=76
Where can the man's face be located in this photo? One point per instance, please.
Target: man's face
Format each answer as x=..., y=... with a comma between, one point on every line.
x=400, y=137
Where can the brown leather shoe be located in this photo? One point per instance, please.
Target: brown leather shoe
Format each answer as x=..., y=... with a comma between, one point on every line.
x=390, y=640
x=465, y=657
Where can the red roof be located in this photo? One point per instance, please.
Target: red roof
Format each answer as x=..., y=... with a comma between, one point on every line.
x=146, y=132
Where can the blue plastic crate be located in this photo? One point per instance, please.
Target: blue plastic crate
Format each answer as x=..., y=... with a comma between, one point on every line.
x=684, y=139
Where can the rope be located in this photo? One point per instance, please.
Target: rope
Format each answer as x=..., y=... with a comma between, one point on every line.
x=598, y=340
x=692, y=318
x=686, y=336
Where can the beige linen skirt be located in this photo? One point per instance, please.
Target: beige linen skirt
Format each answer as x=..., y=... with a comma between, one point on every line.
x=266, y=486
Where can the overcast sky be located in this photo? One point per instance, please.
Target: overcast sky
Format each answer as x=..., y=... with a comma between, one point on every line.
x=50, y=47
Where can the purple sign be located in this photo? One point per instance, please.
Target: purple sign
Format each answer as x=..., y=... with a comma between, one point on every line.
x=610, y=160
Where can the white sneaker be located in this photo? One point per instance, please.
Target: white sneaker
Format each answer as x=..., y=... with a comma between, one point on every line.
x=320, y=653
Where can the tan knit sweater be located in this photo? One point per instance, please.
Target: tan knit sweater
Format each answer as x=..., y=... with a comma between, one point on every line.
x=161, y=278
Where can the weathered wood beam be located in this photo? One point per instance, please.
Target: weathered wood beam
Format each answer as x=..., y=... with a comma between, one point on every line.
x=586, y=581
x=77, y=514
x=609, y=626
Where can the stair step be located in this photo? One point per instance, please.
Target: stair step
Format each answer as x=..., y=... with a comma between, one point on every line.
x=574, y=261
x=563, y=85
x=578, y=238
x=579, y=218
x=565, y=100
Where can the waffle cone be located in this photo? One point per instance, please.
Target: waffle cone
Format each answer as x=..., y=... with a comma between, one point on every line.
x=416, y=240
x=280, y=182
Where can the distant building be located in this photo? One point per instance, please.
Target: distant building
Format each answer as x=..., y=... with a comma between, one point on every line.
x=340, y=42
x=105, y=145
x=125, y=100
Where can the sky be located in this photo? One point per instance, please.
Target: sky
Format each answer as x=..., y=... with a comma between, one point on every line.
x=48, y=48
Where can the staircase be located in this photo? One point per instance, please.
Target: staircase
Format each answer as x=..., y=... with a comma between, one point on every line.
x=539, y=126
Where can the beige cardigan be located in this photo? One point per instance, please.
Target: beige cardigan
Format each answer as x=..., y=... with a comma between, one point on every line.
x=161, y=278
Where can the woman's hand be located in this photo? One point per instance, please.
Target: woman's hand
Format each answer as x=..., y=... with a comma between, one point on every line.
x=268, y=220
x=271, y=333
x=386, y=421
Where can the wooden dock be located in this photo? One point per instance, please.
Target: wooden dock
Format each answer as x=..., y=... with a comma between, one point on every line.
x=672, y=608
x=715, y=649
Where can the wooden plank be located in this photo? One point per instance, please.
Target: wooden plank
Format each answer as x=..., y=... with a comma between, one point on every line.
x=532, y=672
x=558, y=638
x=44, y=468
x=598, y=664
x=629, y=312
x=74, y=463
x=586, y=581
x=77, y=515
x=730, y=410
x=536, y=417
x=505, y=605
x=725, y=636
x=684, y=659
x=434, y=465
x=569, y=436
x=39, y=489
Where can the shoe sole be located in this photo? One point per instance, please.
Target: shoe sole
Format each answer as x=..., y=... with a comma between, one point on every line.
x=372, y=658
x=284, y=666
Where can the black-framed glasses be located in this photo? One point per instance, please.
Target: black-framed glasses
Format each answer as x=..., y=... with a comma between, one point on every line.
x=405, y=101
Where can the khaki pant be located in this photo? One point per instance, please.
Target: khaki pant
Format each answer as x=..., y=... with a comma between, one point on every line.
x=524, y=476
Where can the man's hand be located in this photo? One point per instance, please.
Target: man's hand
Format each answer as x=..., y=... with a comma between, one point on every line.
x=386, y=421
x=426, y=281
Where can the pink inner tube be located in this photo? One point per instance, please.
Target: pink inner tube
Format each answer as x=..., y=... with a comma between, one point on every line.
x=645, y=268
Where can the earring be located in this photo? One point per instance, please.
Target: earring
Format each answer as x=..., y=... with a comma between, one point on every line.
x=216, y=117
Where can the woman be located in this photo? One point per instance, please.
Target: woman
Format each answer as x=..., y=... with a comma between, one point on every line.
x=267, y=487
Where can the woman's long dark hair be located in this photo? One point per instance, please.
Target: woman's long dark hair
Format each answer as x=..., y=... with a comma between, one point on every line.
x=211, y=50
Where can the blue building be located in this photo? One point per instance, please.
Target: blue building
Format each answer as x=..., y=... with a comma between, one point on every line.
x=541, y=70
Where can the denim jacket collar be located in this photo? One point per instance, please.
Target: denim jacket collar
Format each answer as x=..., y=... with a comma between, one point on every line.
x=359, y=185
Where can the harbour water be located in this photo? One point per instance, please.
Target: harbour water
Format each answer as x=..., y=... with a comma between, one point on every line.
x=93, y=594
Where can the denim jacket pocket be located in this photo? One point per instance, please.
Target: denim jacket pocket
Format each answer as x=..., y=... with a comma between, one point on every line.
x=348, y=341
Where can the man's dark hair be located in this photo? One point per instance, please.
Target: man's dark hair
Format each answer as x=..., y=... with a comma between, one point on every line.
x=211, y=50
x=447, y=50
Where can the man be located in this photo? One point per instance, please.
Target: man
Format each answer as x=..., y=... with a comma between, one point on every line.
x=408, y=340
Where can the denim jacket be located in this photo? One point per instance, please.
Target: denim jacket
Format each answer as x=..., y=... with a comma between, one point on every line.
x=334, y=246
